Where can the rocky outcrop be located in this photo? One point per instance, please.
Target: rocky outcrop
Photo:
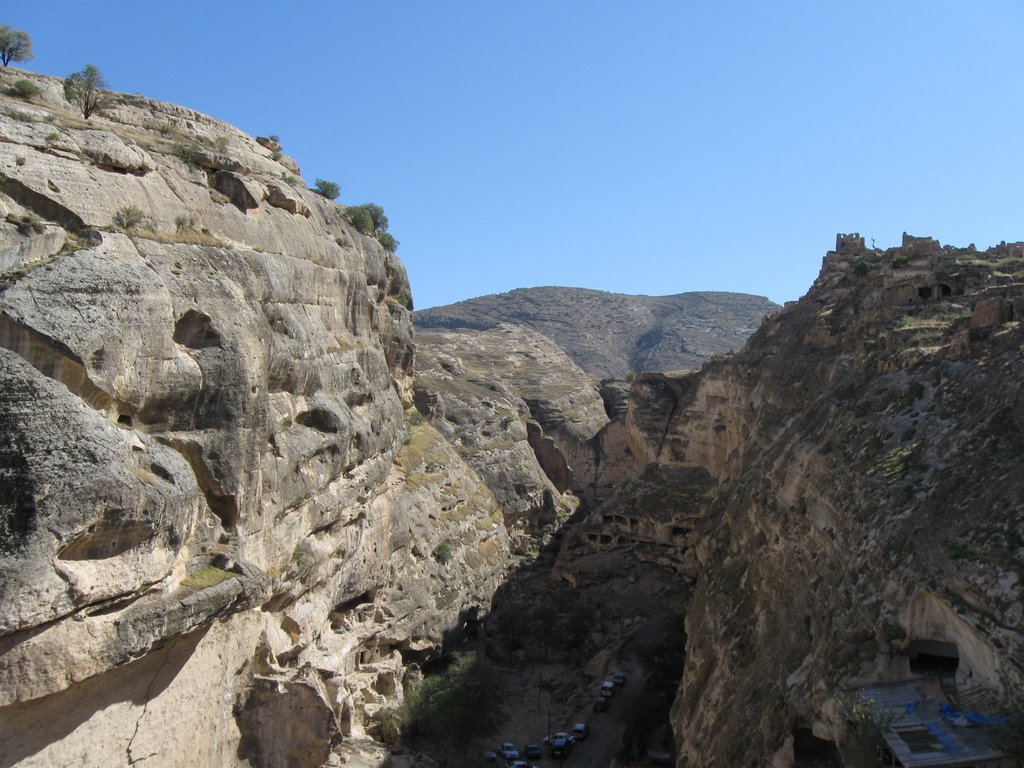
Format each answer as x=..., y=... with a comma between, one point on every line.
x=866, y=501
x=521, y=413
x=216, y=516
x=610, y=335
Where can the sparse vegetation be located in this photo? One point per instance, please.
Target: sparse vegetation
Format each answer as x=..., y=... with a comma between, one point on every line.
x=360, y=218
x=864, y=729
x=210, y=576
x=370, y=219
x=188, y=155
x=27, y=224
x=25, y=89
x=87, y=90
x=328, y=189
x=388, y=241
x=861, y=268
x=648, y=710
x=453, y=709
x=15, y=45
x=443, y=553
x=129, y=217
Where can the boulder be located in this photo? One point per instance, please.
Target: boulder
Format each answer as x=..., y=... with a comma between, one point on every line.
x=286, y=198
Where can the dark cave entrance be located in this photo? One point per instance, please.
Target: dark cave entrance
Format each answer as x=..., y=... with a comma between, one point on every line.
x=809, y=750
x=933, y=657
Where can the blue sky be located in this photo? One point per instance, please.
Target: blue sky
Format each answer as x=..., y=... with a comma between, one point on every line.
x=641, y=146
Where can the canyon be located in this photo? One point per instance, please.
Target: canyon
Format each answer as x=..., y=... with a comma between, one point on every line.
x=246, y=503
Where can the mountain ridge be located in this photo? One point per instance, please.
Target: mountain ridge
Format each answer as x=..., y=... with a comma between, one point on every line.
x=610, y=335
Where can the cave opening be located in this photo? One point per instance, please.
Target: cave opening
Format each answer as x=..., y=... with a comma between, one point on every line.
x=809, y=750
x=925, y=292
x=933, y=657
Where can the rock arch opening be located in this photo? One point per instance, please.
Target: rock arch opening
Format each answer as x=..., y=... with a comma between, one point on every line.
x=933, y=657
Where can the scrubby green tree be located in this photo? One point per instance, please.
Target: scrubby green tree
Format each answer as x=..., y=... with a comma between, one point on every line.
x=328, y=189
x=865, y=728
x=662, y=661
x=87, y=90
x=388, y=241
x=452, y=709
x=15, y=45
x=380, y=221
x=360, y=218
x=575, y=627
x=511, y=630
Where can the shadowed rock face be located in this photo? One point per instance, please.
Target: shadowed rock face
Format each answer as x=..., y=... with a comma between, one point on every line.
x=611, y=334
x=864, y=449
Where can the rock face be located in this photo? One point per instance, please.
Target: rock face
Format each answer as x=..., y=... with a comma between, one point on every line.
x=864, y=520
x=611, y=334
x=214, y=515
x=520, y=412
x=226, y=533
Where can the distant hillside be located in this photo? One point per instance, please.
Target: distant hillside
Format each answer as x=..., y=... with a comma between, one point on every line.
x=611, y=334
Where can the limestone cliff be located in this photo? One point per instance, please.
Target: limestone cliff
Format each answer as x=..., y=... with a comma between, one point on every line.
x=521, y=413
x=866, y=509
x=214, y=516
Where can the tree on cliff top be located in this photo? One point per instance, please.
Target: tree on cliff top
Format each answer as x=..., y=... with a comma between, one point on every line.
x=15, y=45
x=87, y=90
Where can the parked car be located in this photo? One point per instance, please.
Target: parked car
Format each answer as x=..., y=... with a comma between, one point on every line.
x=600, y=704
x=560, y=745
x=508, y=751
x=607, y=688
x=619, y=678
x=533, y=751
x=518, y=764
x=489, y=757
x=580, y=731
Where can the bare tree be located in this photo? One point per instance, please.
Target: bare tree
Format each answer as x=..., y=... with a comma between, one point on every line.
x=15, y=45
x=87, y=90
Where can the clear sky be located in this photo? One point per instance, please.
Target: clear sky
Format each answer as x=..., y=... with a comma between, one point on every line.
x=634, y=146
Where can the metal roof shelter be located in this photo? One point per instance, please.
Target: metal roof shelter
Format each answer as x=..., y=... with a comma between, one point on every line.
x=925, y=731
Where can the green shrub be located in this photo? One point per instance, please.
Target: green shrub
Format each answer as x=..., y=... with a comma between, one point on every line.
x=328, y=189
x=188, y=155
x=361, y=219
x=25, y=89
x=129, y=217
x=388, y=241
x=861, y=268
x=380, y=221
x=443, y=553
x=899, y=261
